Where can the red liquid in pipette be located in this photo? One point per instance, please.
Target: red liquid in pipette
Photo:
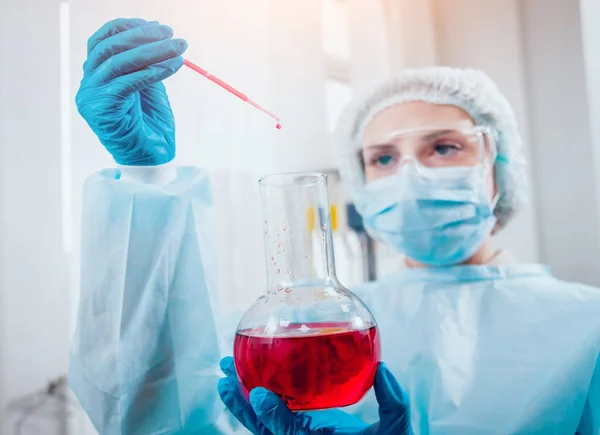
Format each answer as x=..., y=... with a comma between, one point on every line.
x=229, y=88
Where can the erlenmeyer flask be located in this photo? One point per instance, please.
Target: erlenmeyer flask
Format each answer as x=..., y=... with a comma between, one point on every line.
x=307, y=338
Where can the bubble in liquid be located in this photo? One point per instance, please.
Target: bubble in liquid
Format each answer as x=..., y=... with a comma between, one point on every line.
x=278, y=271
x=288, y=290
x=324, y=227
x=306, y=257
x=289, y=272
x=273, y=262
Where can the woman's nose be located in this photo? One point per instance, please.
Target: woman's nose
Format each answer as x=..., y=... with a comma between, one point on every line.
x=407, y=159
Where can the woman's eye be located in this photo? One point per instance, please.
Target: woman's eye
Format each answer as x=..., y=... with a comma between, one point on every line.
x=383, y=160
x=443, y=149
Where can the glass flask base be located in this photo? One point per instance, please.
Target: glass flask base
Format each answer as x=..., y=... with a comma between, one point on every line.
x=311, y=366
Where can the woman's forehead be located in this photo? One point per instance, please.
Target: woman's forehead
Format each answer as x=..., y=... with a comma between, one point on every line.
x=413, y=116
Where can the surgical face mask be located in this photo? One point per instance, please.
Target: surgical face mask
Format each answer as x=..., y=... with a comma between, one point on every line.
x=436, y=216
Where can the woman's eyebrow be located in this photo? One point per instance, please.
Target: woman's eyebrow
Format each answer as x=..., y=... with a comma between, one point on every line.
x=436, y=134
x=379, y=146
x=431, y=136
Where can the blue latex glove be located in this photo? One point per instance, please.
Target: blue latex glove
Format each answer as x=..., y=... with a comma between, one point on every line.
x=122, y=97
x=266, y=414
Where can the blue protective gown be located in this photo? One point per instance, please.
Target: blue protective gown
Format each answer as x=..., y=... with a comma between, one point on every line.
x=490, y=349
x=481, y=350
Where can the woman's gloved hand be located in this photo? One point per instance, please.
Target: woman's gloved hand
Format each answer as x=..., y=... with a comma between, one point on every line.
x=266, y=414
x=122, y=96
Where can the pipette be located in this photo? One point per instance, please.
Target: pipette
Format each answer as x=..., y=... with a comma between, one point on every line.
x=229, y=88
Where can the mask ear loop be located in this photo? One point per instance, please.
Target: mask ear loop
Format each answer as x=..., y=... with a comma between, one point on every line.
x=494, y=202
x=490, y=162
x=502, y=161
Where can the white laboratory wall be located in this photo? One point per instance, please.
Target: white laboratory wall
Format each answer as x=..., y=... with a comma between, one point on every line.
x=410, y=34
x=370, y=61
x=34, y=306
x=561, y=136
x=590, y=34
x=338, y=94
x=335, y=25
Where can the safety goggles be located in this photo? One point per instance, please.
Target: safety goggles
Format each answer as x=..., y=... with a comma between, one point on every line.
x=432, y=147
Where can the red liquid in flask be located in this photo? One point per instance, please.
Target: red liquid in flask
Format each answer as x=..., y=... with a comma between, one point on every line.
x=333, y=367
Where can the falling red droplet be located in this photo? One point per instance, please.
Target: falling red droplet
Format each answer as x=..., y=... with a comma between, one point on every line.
x=278, y=126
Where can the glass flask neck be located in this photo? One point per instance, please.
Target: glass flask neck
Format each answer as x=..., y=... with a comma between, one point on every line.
x=297, y=231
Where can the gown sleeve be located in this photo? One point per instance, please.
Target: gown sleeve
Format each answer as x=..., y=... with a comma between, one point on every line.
x=145, y=355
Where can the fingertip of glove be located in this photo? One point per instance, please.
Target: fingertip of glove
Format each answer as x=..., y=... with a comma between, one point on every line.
x=168, y=67
x=385, y=374
x=180, y=45
x=225, y=386
x=231, y=395
x=263, y=400
x=228, y=389
x=226, y=364
x=178, y=63
x=156, y=31
x=128, y=22
x=388, y=387
x=166, y=30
